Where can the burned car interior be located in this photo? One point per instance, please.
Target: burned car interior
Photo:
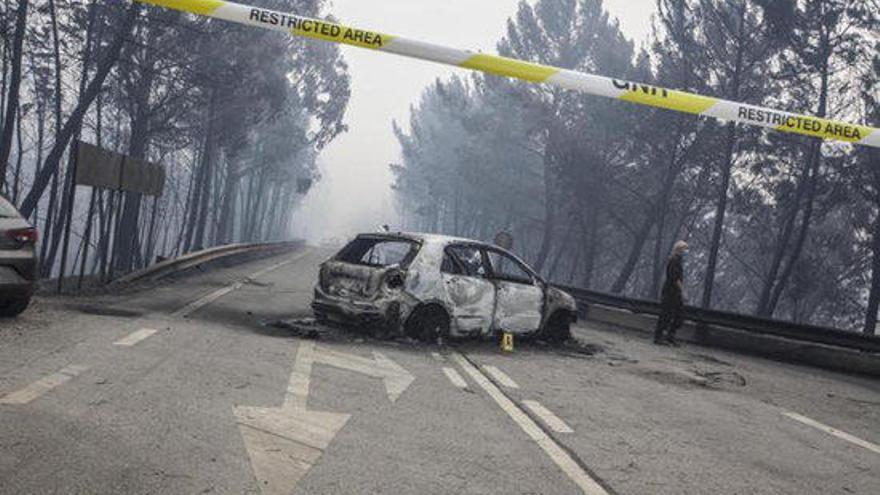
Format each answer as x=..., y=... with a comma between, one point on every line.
x=378, y=252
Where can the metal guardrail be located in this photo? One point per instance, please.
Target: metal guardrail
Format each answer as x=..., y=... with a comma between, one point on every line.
x=175, y=265
x=753, y=324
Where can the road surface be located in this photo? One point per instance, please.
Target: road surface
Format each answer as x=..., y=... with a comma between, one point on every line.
x=187, y=387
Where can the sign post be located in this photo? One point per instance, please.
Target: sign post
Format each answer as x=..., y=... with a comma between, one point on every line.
x=100, y=168
x=71, y=200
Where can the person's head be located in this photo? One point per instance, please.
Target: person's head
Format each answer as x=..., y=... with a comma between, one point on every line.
x=680, y=248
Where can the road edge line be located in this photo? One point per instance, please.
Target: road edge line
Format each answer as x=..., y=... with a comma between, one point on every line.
x=566, y=460
x=42, y=386
x=548, y=417
x=835, y=432
x=203, y=301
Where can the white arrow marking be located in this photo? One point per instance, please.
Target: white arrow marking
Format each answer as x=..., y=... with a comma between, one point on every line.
x=395, y=378
x=285, y=442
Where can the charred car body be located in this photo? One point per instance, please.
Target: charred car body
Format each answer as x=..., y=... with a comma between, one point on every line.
x=428, y=286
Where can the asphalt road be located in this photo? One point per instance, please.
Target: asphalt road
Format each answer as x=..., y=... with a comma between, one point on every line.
x=187, y=387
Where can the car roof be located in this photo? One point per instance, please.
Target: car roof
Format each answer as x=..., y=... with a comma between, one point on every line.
x=424, y=238
x=440, y=239
x=443, y=240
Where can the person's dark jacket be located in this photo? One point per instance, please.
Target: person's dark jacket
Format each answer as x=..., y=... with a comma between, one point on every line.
x=674, y=280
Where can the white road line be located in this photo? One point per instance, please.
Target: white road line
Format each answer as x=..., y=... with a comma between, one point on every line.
x=548, y=417
x=204, y=301
x=217, y=294
x=873, y=447
x=500, y=376
x=277, y=266
x=455, y=378
x=136, y=337
x=41, y=386
x=557, y=454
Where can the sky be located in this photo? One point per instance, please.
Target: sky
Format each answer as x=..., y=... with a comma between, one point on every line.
x=354, y=192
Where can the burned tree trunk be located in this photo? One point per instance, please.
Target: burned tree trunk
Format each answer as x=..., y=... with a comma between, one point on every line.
x=53, y=158
x=773, y=287
x=549, y=213
x=201, y=217
x=227, y=209
x=803, y=231
x=12, y=99
x=720, y=213
x=870, y=326
x=198, y=201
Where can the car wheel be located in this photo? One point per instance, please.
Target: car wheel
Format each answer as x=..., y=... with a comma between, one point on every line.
x=14, y=307
x=428, y=323
x=558, y=329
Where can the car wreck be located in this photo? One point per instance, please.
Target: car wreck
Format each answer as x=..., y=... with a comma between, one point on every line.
x=428, y=286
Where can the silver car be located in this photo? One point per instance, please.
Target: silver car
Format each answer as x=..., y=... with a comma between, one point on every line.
x=18, y=261
x=428, y=286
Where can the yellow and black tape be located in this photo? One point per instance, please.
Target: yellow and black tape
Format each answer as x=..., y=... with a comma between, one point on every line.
x=641, y=94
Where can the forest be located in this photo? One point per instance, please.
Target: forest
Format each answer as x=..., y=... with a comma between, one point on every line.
x=595, y=192
x=235, y=116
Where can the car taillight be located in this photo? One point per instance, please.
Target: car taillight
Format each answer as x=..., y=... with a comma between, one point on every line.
x=23, y=236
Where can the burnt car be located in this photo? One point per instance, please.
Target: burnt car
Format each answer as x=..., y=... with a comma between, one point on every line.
x=429, y=285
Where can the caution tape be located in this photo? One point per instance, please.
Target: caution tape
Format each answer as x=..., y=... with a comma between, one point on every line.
x=642, y=94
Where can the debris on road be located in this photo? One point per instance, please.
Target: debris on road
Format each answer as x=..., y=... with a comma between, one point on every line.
x=719, y=378
x=307, y=328
x=582, y=347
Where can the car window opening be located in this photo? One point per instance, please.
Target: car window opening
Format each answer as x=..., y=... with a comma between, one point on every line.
x=451, y=265
x=508, y=269
x=379, y=253
x=470, y=259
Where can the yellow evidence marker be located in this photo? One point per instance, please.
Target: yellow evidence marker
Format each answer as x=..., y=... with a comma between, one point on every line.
x=507, y=342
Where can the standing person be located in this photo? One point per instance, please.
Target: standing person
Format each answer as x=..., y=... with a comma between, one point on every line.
x=672, y=297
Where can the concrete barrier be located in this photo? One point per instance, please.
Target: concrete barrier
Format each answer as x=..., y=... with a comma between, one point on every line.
x=772, y=347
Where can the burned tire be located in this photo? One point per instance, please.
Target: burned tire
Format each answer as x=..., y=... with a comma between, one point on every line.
x=427, y=324
x=10, y=308
x=558, y=328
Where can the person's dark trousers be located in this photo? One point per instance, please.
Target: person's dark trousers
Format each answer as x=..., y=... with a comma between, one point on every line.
x=671, y=317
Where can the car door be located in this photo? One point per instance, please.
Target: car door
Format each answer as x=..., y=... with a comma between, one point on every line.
x=519, y=297
x=470, y=293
